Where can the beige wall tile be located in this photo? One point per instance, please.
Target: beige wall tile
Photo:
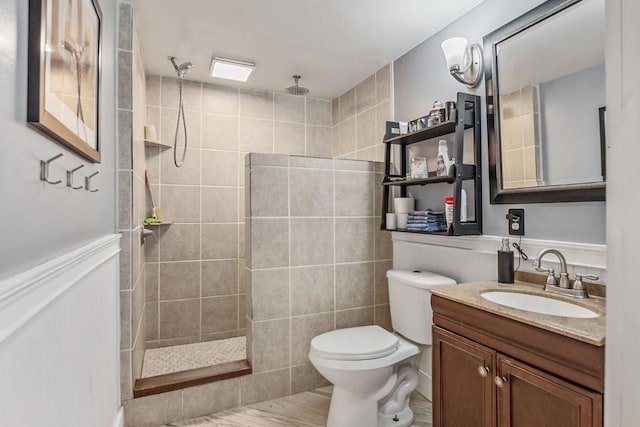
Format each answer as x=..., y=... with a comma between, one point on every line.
x=191, y=94
x=189, y=173
x=219, y=314
x=530, y=136
x=270, y=243
x=383, y=242
x=354, y=239
x=179, y=280
x=151, y=280
x=269, y=191
x=152, y=90
x=219, y=168
x=180, y=242
x=511, y=104
x=311, y=241
x=180, y=203
x=366, y=94
x=179, y=318
x=382, y=317
x=381, y=281
x=303, y=329
x=270, y=294
x=354, y=193
x=219, y=277
x=289, y=108
x=220, y=132
x=219, y=99
x=319, y=112
x=151, y=323
x=255, y=135
x=511, y=133
x=126, y=382
x=383, y=84
x=366, y=129
x=193, y=120
x=512, y=166
x=289, y=138
x=219, y=204
x=354, y=317
x=318, y=141
x=256, y=104
x=311, y=192
x=347, y=105
x=264, y=386
x=383, y=113
x=219, y=241
x=151, y=411
x=347, y=136
x=125, y=320
x=270, y=345
x=335, y=111
x=530, y=164
x=312, y=290
x=354, y=285
x=306, y=377
x=152, y=161
x=125, y=197
x=211, y=398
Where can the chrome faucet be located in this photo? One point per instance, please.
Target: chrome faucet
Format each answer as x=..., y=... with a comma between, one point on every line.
x=577, y=290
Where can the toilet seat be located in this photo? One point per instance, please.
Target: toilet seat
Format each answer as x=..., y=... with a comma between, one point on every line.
x=360, y=343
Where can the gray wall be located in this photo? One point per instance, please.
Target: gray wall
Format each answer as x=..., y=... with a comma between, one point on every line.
x=41, y=221
x=572, y=153
x=421, y=77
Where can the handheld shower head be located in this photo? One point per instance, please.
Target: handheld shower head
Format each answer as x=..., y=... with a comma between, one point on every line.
x=182, y=69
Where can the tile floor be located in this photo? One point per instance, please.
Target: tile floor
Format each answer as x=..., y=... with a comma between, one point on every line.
x=308, y=409
x=167, y=360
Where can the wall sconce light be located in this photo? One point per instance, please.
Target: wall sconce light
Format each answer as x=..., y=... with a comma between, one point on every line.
x=464, y=61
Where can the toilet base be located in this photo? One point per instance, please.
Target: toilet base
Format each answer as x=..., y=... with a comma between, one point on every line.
x=404, y=419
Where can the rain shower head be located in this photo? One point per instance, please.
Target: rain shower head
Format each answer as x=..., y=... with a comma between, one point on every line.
x=182, y=69
x=295, y=89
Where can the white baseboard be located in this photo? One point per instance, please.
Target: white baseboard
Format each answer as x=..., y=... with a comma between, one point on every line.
x=119, y=421
x=425, y=387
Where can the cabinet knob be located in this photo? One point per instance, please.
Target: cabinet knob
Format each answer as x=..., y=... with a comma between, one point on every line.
x=483, y=371
x=500, y=381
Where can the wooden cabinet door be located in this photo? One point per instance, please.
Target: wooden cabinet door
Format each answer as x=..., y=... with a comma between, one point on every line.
x=464, y=393
x=528, y=397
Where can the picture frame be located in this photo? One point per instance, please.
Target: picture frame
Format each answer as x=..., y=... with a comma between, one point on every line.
x=64, y=69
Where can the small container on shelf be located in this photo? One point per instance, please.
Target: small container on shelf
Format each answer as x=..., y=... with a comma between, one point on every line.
x=419, y=168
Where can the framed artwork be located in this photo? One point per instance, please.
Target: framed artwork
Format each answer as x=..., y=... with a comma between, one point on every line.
x=63, y=95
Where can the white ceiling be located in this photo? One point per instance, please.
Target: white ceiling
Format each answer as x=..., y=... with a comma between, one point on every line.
x=333, y=44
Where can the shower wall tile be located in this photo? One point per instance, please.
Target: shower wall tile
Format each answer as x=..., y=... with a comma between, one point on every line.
x=354, y=190
x=169, y=118
x=180, y=203
x=219, y=277
x=366, y=129
x=188, y=174
x=219, y=314
x=179, y=280
x=125, y=23
x=219, y=204
x=311, y=192
x=303, y=329
x=180, y=242
x=151, y=324
x=220, y=132
x=151, y=280
x=311, y=241
x=366, y=94
x=219, y=99
x=153, y=90
x=257, y=104
x=219, y=168
x=318, y=141
x=289, y=138
x=269, y=243
x=219, y=241
x=125, y=152
x=354, y=239
x=269, y=191
x=255, y=135
x=270, y=293
x=383, y=84
x=125, y=320
x=319, y=112
x=191, y=95
x=179, y=318
x=347, y=105
x=271, y=345
x=289, y=108
x=125, y=80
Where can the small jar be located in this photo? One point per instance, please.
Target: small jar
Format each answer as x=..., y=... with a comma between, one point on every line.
x=437, y=114
x=419, y=168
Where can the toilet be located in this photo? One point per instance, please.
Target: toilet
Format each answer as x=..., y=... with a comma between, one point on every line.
x=375, y=371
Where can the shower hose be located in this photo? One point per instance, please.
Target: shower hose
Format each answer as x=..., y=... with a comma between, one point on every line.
x=184, y=126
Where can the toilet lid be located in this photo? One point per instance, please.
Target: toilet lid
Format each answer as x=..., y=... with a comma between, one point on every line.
x=361, y=343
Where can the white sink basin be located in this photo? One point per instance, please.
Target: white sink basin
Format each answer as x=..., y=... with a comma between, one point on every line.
x=538, y=304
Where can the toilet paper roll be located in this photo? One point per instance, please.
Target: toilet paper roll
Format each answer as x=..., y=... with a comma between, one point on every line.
x=391, y=221
x=401, y=220
x=150, y=133
x=404, y=204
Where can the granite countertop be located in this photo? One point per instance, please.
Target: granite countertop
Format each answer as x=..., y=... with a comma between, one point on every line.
x=591, y=331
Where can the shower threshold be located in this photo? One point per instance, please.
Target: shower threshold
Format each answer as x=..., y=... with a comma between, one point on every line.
x=173, y=368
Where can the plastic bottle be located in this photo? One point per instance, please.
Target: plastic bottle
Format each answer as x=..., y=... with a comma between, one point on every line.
x=463, y=206
x=448, y=210
x=443, y=158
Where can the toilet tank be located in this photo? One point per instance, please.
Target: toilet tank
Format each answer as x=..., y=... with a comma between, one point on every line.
x=410, y=302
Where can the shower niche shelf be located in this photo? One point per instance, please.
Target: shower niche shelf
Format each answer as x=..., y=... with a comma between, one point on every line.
x=150, y=143
x=158, y=224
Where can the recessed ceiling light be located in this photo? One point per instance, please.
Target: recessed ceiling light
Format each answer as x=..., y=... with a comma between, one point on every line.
x=231, y=69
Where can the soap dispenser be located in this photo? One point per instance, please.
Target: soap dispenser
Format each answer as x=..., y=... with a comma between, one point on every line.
x=505, y=263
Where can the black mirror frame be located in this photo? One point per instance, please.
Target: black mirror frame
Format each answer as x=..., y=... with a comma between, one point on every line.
x=549, y=194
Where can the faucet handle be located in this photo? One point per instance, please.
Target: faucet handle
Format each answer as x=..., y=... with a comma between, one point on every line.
x=551, y=278
x=590, y=276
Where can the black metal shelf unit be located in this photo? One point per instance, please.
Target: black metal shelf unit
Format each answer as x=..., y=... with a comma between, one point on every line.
x=468, y=117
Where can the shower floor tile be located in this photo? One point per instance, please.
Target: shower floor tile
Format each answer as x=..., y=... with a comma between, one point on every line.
x=167, y=360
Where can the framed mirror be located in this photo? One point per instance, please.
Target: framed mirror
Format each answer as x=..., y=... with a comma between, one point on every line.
x=545, y=83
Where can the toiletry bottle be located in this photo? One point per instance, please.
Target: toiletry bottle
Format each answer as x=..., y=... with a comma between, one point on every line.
x=448, y=210
x=443, y=158
x=463, y=206
x=505, y=263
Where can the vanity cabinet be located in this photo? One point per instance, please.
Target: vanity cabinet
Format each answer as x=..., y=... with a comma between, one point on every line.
x=489, y=371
